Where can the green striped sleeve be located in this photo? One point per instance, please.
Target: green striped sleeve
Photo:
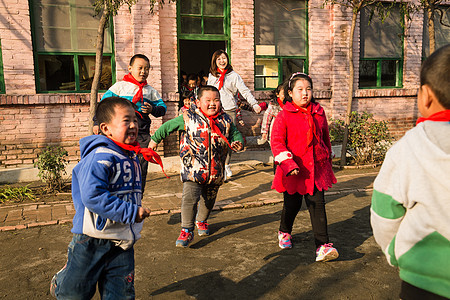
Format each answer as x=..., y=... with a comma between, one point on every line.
x=387, y=207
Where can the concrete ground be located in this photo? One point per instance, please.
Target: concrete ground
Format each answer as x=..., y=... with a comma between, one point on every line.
x=239, y=260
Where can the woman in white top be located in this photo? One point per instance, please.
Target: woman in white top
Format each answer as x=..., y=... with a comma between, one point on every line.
x=229, y=83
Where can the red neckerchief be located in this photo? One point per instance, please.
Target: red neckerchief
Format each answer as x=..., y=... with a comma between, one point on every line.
x=280, y=102
x=147, y=153
x=442, y=116
x=312, y=128
x=222, y=77
x=139, y=97
x=213, y=125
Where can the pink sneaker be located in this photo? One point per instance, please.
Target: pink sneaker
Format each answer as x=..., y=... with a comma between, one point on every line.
x=284, y=240
x=326, y=253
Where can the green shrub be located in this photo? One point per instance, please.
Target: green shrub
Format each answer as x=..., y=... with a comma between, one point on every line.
x=51, y=164
x=368, y=139
x=16, y=194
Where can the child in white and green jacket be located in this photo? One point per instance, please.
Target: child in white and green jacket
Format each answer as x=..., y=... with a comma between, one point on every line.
x=410, y=212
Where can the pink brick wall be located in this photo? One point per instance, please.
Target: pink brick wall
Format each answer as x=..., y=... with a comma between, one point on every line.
x=28, y=122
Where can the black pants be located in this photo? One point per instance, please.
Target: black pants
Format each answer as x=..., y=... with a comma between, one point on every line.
x=143, y=139
x=411, y=292
x=317, y=214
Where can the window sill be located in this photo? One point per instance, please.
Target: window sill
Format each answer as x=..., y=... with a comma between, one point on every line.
x=394, y=92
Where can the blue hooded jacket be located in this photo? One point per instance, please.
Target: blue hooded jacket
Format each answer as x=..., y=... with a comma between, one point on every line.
x=107, y=192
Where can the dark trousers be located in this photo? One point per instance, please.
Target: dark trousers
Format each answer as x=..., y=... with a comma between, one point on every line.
x=317, y=214
x=143, y=139
x=411, y=292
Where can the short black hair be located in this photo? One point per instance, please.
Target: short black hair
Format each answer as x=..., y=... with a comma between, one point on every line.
x=192, y=76
x=435, y=73
x=204, y=88
x=139, y=56
x=105, y=109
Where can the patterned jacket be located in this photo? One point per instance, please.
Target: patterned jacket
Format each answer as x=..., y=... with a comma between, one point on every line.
x=202, y=151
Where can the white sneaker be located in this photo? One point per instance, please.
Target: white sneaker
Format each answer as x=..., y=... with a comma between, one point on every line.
x=228, y=172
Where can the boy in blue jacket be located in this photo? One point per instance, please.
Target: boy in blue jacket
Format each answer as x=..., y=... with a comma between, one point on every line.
x=106, y=192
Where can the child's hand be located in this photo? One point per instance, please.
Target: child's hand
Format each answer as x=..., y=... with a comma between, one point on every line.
x=153, y=145
x=96, y=129
x=293, y=172
x=237, y=146
x=147, y=108
x=241, y=122
x=257, y=108
x=142, y=214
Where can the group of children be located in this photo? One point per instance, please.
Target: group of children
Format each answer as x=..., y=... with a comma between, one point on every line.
x=410, y=205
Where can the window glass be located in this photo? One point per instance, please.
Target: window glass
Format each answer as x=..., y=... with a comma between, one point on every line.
x=86, y=70
x=266, y=72
x=441, y=32
x=65, y=37
x=381, y=49
x=202, y=17
x=280, y=40
x=2, y=81
x=381, y=39
x=281, y=24
x=56, y=72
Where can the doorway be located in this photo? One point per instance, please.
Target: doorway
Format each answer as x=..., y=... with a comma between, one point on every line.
x=195, y=55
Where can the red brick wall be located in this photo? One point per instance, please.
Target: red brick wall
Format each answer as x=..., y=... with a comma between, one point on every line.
x=29, y=122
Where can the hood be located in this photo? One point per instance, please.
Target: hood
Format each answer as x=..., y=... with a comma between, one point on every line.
x=92, y=142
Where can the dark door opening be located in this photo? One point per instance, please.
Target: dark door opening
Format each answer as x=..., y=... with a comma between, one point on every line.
x=195, y=56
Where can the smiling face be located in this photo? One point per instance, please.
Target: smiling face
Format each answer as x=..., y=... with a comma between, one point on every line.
x=123, y=126
x=139, y=69
x=301, y=93
x=209, y=103
x=222, y=61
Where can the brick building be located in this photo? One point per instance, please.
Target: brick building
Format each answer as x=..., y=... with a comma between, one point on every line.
x=48, y=47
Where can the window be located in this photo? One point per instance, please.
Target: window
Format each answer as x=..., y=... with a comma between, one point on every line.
x=202, y=17
x=280, y=41
x=381, y=57
x=441, y=32
x=2, y=79
x=64, y=41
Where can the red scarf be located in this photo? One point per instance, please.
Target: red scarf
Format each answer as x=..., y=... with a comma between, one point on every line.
x=139, y=97
x=312, y=128
x=213, y=125
x=222, y=77
x=147, y=153
x=442, y=116
x=280, y=103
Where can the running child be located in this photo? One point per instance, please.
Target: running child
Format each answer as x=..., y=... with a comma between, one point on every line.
x=106, y=193
x=274, y=107
x=410, y=212
x=301, y=148
x=208, y=133
x=134, y=87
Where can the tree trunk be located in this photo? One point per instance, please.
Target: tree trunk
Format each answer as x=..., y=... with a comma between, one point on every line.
x=430, y=11
x=98, y=66
x=350, y=89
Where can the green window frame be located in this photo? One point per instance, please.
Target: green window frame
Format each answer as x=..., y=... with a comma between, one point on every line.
x=203, y=19
x=64, y=35
x=281, y=41
x=441, y=32
x=2, y=78
x=381, y=51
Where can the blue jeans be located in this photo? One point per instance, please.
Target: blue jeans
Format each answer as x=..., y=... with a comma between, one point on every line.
x=91, y=261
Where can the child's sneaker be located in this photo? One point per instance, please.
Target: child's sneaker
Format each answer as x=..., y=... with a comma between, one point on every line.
x=203, y=228
x=228, y=172
x=284, y=240
x=326, y=252
x=186, y=236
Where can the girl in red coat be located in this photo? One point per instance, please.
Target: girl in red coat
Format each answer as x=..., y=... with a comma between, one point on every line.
x=301, y=148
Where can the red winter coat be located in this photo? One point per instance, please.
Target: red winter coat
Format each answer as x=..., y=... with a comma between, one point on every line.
x=290, y=151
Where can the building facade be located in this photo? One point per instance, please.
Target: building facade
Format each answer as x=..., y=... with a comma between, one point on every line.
x=48, y=53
